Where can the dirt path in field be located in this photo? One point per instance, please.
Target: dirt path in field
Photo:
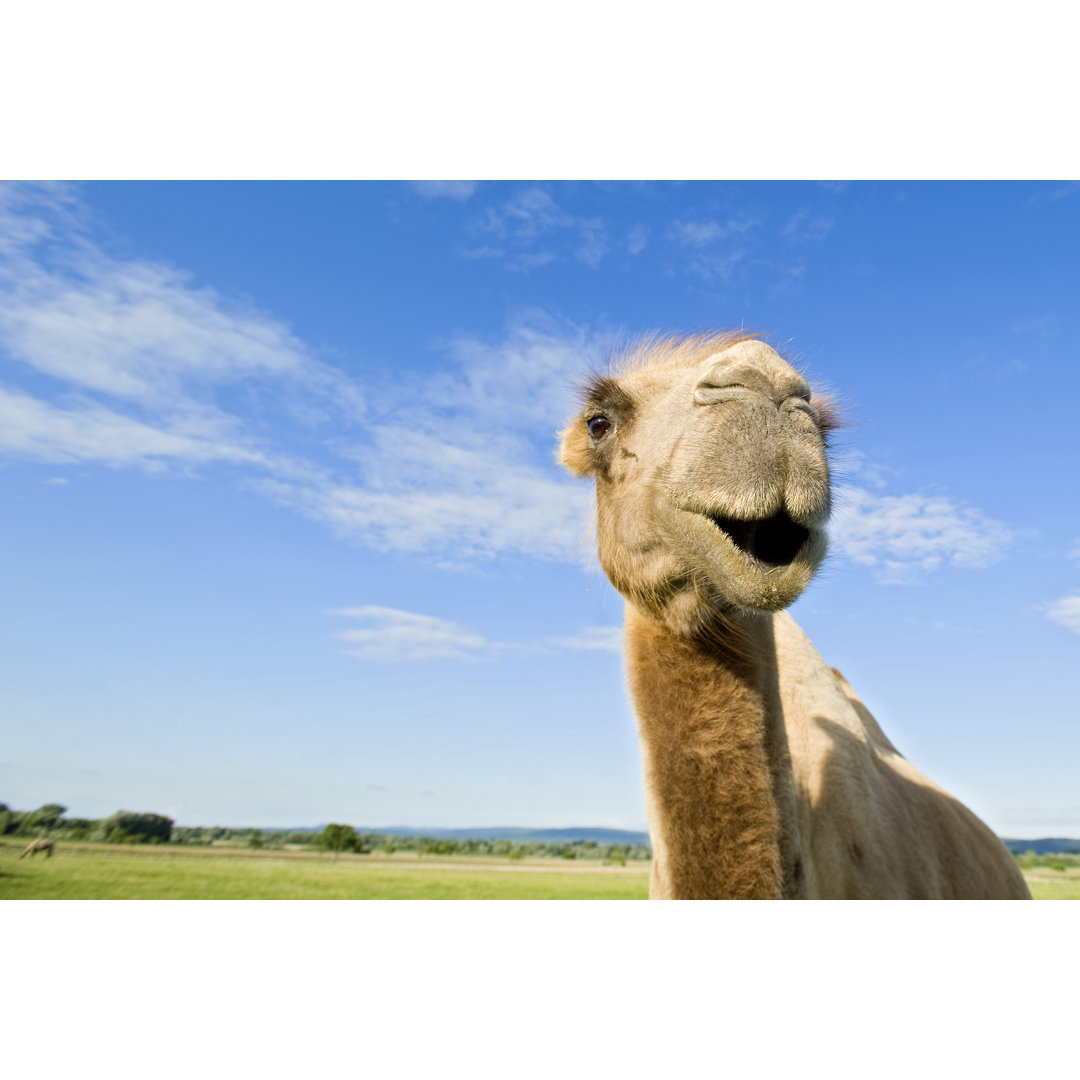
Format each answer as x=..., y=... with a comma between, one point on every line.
x=545, y=866
x=374, y=861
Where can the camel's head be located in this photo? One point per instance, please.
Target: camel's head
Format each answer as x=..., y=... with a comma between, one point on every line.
x=712, y=487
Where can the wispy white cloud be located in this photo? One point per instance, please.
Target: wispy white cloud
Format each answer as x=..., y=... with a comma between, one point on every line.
x=1045, y=330
x=525, y=261
x=852, y=467
x=714, y=248
x=703, y=233
x=594, y=245
x=714, y=267
x=530, y=216
x=460, y=465
x=901, y=536
x=136, y=331
x=532, y=368
x=140, y=354
x=455, y=466
x=485, y=512
x=636, y=240
x=458, y=190
x=1052, y=193
x=806, y=226
x=32, y=429
x=482, y=252
x=128, y=328
x=592, y=639
x=390, y=634
x=1065, y=612
x=135, y=356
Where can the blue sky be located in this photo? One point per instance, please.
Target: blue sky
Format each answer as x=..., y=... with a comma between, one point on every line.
x=285, y=541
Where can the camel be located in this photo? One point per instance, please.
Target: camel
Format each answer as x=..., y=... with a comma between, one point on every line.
x=765, y=775
x=42, y=843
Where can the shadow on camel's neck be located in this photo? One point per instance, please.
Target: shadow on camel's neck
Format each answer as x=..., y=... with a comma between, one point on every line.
x=718, y=779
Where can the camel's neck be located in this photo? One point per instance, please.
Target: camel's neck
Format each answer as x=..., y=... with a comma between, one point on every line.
x=718, y=776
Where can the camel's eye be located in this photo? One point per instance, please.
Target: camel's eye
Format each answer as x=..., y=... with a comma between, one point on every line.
x=599, y=426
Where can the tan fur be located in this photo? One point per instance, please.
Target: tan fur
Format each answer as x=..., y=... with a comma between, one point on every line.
x=765, y=775
x=701, y=724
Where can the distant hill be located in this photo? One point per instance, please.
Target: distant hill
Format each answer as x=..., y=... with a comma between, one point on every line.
x=1046, y=846
x=1043, y=846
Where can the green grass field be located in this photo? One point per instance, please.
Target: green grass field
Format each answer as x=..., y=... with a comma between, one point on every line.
x=106, y=872
x=1053, y=884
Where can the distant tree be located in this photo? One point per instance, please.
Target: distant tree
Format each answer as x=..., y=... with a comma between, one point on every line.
x=77, y=828
x=337, y=838
x=48, y=816
x=187, y=834
x=616, y=854
x=439, y=847
x=255, y=840
x=517, y=853
x=126, y=827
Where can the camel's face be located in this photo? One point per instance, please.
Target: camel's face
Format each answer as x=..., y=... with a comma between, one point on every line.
x=711, y=481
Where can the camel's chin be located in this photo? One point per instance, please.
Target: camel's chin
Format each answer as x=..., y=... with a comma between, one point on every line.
x=740, y=579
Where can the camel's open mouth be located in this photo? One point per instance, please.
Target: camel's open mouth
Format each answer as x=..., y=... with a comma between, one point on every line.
x=769, y=542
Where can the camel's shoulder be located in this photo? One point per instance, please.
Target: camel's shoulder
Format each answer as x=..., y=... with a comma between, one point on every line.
x=812, y=691
x=829, y=728
x=867, y=815
x=873, y=728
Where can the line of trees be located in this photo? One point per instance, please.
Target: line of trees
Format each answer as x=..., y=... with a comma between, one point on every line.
x=1055, y=860
x=337, y=838
x=128, y=827
x=123, y=827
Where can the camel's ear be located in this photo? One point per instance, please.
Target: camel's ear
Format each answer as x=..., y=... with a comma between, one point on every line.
x=576, y=451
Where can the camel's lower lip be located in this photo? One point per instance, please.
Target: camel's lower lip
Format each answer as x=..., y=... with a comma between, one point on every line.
x=770, y=542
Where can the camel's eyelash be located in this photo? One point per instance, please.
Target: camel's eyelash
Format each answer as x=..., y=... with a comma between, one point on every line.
x=604, y=394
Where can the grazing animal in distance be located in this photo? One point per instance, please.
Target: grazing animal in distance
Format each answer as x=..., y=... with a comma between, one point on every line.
x=42, y=843
x=765, y=775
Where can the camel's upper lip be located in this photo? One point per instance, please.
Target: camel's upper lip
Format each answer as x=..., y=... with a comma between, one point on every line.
x=769, y=542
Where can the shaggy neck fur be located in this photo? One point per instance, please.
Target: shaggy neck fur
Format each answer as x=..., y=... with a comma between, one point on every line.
x=718, y=777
